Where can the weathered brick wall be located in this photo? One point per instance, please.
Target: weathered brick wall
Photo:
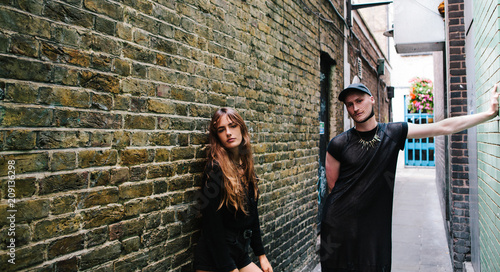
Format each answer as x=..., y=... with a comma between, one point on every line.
x=458, y=155
x=441, y=148
x=103, y=116
x=486, y=57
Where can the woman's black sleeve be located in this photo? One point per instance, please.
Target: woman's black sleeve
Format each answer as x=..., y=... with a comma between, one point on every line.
x=212, y=222
x=256, y=239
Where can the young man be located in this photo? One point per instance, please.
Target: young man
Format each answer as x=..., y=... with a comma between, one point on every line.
x=360, y=172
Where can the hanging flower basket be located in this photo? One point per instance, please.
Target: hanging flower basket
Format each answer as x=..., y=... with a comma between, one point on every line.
x=421, y=99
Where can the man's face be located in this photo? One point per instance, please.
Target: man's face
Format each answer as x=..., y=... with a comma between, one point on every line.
x=359, y=106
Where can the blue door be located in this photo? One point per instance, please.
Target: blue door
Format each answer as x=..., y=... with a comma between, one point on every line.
x=419, y=152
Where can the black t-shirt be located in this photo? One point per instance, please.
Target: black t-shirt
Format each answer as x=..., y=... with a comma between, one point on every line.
x=357, y=217
x=216, y=223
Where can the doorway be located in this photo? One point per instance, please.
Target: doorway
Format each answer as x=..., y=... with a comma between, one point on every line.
x=327, y=66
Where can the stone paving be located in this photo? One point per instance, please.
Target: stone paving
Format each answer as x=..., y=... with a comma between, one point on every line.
x=418, y=235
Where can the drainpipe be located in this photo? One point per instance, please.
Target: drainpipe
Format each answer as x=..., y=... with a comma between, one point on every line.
x=378, y=97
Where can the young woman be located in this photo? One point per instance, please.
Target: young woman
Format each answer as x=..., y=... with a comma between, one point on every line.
x=230, y=221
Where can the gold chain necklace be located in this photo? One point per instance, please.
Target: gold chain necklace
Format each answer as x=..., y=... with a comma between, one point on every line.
x=371, y=143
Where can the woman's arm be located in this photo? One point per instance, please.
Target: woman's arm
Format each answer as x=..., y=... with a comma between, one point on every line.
x=454, y=124
x=256, y=240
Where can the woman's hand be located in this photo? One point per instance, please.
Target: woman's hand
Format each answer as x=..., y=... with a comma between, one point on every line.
x=264, y=264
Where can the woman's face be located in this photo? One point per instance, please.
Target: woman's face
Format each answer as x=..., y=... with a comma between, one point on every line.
x=229, y=133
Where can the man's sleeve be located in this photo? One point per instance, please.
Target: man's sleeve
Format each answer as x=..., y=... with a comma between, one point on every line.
x=334, y=149
x=404, y=135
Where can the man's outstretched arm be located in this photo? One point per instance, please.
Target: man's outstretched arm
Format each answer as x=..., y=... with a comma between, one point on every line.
x=454, y=124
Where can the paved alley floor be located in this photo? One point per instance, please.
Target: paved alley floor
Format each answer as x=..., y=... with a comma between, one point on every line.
x=418, y=234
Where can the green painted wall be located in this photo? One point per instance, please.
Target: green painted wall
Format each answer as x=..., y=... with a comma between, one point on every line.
x=487, y=51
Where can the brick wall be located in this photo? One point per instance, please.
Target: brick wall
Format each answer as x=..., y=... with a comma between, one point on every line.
x=441, y=150
x=103, y=116
x=457, y=143
x=486, y=57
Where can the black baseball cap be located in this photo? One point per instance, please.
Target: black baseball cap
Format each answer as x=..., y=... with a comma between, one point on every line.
x=353, y=87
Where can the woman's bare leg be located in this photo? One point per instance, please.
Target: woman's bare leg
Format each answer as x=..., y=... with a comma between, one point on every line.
x=251, y=268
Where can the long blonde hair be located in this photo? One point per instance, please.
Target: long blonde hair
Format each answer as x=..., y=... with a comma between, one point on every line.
x=235, y=185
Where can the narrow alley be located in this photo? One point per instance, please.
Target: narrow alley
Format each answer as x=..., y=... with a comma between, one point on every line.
x=418, y=234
